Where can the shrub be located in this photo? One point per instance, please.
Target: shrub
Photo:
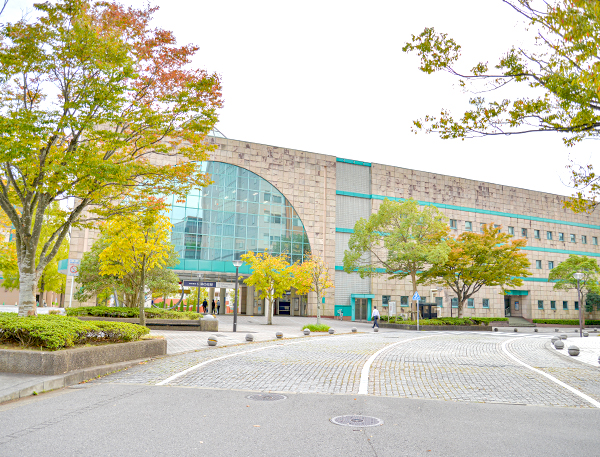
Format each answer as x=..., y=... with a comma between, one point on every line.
x=151, y=313
x=450, y=320
x=56, y=332
x=316, y=328
x=565, y=321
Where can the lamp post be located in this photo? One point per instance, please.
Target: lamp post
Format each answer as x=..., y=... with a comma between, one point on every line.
x=579, y=276
x=237, y=264
x=198, y=304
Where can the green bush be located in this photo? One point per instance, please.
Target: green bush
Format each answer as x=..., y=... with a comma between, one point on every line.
x=56, y=332
x=449, y=320
x=151, y=313
x=565, y=321
x=316, y=328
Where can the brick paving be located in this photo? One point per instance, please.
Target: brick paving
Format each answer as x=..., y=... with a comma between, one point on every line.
x=466, y=366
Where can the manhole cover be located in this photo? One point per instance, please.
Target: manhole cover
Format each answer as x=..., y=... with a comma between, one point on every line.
x=357, y=421
x=266, y=397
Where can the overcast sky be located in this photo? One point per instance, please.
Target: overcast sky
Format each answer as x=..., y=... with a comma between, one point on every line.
x=330, y=77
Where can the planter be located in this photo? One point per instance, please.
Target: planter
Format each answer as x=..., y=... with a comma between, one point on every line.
x=201, y=325
x=66, y=360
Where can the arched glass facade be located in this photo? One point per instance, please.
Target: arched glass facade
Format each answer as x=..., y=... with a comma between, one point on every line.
x=239, y=212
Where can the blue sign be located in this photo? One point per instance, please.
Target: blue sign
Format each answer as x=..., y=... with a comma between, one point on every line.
x=195, y=284
x=416, y=296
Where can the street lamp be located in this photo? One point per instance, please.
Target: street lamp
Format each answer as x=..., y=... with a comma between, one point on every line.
x=198, y=304
x=579, y=276
x=237, y=264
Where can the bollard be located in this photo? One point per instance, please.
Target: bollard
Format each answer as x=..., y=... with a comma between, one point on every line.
x=563, y=337
x=249, y=337
x=354, y=330
x=535, y=330
x=212, y=340
x=331, y=331
x=573, y=351
x=376, y=329
x=516, y=330
x=495, y=329
x=306, y=331
x=556, y=330
x=559, y=344
x=586, y=334
x=279, y=335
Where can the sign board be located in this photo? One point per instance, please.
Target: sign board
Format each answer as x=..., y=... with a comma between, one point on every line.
x=392, y=306
x=195, y=284
x=225, y=285
x=69, y=267
x=416, y=296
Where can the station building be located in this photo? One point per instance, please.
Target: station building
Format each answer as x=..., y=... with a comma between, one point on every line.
x=268, y=198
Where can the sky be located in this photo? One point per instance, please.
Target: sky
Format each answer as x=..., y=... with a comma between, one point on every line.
x=330, y=77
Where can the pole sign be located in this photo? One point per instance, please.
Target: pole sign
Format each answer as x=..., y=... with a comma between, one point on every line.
x=417, y=297
x=69, y=267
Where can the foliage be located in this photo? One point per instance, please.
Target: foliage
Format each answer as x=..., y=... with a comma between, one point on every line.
x=558, y=83
x=483, y=259
x=313, y=276
x=563, y=274
x=591, y=299
x=56, y=332
x=447, y=320
x=398, y=241
x=271, y=277
x=565, y=321
x=101, y=109
x=317, y=327
x=114, y=311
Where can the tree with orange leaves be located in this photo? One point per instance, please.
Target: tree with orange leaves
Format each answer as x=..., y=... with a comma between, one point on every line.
x=98, y=109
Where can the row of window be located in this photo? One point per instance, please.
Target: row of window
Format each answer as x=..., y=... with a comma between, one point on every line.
x=565, y=304
x=538, y=264
x=536, y=233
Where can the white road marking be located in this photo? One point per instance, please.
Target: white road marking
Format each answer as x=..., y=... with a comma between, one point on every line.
x=363, y=387
x=550, y=377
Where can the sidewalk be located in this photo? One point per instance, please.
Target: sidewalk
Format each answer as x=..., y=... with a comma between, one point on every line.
x=17, y=385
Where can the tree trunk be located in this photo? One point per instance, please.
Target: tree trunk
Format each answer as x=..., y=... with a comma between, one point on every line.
x=318, y=309
x=27, y=281
x=269, y=303
x=142, y=294
x=460, y=308
x=42, y=289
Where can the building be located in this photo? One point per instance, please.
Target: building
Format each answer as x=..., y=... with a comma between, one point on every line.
x=285, y=200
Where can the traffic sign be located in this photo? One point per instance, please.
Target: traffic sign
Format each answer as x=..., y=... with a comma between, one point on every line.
x=416, y=296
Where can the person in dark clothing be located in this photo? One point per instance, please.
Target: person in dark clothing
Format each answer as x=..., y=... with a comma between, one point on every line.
x=218, y=306
x=205, y=306
x=213, y=306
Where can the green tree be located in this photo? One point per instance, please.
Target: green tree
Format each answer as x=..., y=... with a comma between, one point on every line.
x=271, y=277
x=398, y=241
x=563, y=274
x=475, y=260
x=98, y=108
x=592, y=298
x=556, y=83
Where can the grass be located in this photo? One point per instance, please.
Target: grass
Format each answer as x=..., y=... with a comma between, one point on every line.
x=316, y=328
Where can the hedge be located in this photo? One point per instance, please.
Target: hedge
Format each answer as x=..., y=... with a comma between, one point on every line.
x=565, y=321
x=445, y=320
x=56, y=332
x=151, y=313
x=317, y=328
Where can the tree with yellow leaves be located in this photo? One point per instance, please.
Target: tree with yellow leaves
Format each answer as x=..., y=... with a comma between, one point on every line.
x=313, y=276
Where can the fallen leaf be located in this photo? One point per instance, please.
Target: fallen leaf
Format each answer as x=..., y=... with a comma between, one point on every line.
x=257, y=425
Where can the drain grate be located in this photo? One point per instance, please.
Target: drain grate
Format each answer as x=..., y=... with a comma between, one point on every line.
x=357, y=421
x=266, y=397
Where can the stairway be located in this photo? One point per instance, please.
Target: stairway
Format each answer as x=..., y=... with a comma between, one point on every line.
x=519, y=322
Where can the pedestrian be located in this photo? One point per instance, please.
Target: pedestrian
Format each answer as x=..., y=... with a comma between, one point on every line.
x=218, y=305
x=375, y=317
x=205, y=306
x=213, y=306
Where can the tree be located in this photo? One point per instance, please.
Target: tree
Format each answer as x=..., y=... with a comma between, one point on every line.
x=398, y=241
x=271, y=277
x=136, y=243
x=563, y=274
x=592, y=298
x=98, y=108
x=475, y=260
x=312, y=276
x=558, y=83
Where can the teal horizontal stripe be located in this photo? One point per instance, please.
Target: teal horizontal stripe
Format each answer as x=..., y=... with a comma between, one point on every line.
x=353, y=162
x=526, y=248
x=470, y=210
x=362, y=296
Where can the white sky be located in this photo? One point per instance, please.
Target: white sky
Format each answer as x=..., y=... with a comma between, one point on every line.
x=330, y=77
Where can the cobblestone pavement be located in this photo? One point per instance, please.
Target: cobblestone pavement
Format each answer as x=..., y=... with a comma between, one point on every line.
x=456, y=366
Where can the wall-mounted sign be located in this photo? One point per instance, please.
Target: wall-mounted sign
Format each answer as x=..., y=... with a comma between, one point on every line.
x=225, y=285
x=195, y=284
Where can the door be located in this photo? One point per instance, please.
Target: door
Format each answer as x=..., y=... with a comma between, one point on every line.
x=506, y=306
x=361, y=309
x=284, y=307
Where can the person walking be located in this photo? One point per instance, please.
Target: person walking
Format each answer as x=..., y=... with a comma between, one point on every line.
x=212, y=307
x=218, y=305
x=375, y=317
x=205, y=306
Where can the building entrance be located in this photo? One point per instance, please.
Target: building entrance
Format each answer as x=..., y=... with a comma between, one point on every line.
x=506, y=306
x=361, y=309
x=284, y=308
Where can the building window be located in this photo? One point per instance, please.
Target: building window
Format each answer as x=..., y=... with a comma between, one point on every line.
x=404, y=301
x=439, y=301
x=565, y=305
x=511, y=231
x=550, y=264
x=538, y=264
x=453, y=224
x=548, y=235
x=536, y=234
x=524, y=233
x=576, y=305
x=470, y=303
x=468, y=226
x=561, y=236
x=583, y=239
x=481, y=225
x=385, y=300
x=486, y=302
x=573, y=239
x=595, y=240
x=540, y=304
x=552, y=304
x=454, y=302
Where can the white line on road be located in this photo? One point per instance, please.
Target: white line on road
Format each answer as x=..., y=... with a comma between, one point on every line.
x=363, y=387
x=550, y=377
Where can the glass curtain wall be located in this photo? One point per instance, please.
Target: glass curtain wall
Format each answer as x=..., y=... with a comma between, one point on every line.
x=239, y=212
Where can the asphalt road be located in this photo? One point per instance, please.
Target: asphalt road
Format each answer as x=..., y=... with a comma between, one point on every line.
x=133, y=420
